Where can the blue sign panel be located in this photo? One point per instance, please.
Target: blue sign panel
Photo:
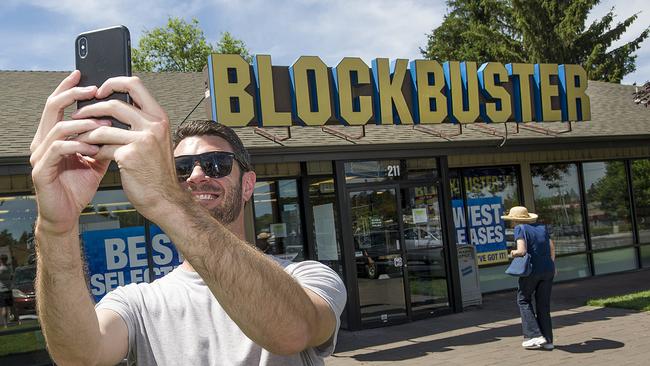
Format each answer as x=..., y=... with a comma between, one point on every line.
x=486, y=229
x=117, y=257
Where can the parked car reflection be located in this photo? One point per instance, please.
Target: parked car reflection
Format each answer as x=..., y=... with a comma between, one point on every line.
x=373, y=256
x=424, y=251
x=22, y=289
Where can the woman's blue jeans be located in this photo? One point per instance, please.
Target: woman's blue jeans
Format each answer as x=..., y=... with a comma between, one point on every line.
x=536, y=320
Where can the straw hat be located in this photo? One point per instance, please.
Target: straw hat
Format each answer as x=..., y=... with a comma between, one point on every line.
x=521, y=214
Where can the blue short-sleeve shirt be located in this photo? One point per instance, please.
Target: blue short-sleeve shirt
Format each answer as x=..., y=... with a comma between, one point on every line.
x=538, y=245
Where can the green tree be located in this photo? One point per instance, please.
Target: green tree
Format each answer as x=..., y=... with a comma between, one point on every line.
x=181, y=46
x=476, y=30
x=610, y=191
x=545, y=31
x=230, y=45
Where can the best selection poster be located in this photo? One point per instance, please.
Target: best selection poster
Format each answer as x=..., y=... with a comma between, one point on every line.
x=486, y=229
x=117, y=257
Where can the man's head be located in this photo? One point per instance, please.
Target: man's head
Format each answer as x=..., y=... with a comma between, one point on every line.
x=4, y=258
x=204, y=150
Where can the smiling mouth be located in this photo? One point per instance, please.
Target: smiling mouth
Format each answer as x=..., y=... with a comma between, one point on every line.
x=206, y=196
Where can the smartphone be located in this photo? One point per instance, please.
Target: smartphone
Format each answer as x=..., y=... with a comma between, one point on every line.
x=100, y=55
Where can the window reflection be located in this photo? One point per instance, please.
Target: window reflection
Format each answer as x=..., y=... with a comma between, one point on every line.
x=278, y=227
x=641, y=187
x=322, y=199
x=424, y=248
x=558, y=204
x=422, y=168
x=372, y=171
x=608, y=204
x=17, y=272
x=489, y=192
x=375, y=230
x=109, y=209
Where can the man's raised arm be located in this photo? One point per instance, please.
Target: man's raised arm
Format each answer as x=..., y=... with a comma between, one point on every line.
x=65, y=180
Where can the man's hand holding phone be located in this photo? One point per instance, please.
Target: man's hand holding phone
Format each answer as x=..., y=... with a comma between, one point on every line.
x=143, y=153
x=65, y=174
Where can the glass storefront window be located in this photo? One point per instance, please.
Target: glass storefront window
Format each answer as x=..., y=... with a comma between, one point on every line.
x=322, y=167
x=608, y=204
x=109, y=209
x=278, y=226
x=615, y=261
x=641, y=187
x=425, y=253
x=17, y=272
x=494, y=279
x=645, y=256
x=489, y=192
x=500, y=182
x=18, y=269
x=115, y=246
x=558, y=204
x=422, y=169
x=372, y=171
x=108, y=214
x=571, y=267
x=322, y=199
x=375, y=230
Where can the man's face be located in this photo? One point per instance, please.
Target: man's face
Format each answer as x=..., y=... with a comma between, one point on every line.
x=221, y=196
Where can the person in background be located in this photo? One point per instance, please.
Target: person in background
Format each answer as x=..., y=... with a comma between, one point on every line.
x=534, y=239
x=6, y=299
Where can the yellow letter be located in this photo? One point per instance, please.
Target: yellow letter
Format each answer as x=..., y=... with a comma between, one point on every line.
x=500, y=109
x=462, y=91
x=343, y=87
x=520, y=75
x=312, y=105
x=575, y=102
x=429, y=82
x=545, y=92
x=265, y=95
x=388, y=88
x=229, y=76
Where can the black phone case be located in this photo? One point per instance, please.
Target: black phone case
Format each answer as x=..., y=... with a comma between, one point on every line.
x=108, y=54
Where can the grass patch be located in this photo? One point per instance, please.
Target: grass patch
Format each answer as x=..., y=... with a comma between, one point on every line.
x=21, y=342
x=636, y=301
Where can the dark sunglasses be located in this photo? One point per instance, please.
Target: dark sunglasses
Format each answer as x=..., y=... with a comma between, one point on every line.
x=215, y=164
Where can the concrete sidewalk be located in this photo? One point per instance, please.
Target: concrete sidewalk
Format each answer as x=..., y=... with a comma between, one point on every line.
x=491, y=334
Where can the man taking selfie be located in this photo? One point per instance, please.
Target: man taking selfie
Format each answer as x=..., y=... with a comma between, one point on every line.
x=228, y=303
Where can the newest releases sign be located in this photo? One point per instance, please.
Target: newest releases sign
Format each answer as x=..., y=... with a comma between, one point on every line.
x=117, y=257
x=309, y=93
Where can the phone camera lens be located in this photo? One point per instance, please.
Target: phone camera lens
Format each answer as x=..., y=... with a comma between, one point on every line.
x=83, y=47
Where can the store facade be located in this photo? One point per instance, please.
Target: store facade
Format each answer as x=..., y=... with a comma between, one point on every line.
x=389, y=207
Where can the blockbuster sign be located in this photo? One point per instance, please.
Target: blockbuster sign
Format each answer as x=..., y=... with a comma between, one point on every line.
x=309, y=93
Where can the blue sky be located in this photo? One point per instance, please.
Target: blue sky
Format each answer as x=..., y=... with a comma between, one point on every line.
x=39, y=34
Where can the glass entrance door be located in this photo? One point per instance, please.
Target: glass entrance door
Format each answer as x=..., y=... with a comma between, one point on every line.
x=378, y=254
x=425, y=253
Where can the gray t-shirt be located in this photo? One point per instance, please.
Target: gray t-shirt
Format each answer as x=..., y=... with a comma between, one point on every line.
x=176, y=320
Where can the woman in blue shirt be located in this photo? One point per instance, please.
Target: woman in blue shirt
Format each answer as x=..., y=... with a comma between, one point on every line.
x=534, y=239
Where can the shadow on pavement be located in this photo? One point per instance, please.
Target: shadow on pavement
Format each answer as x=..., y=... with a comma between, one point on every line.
x=493, y=334
x=590, y=346
x=496, y=307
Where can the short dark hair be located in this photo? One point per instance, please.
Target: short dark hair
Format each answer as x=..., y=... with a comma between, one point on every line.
x=206, y=127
